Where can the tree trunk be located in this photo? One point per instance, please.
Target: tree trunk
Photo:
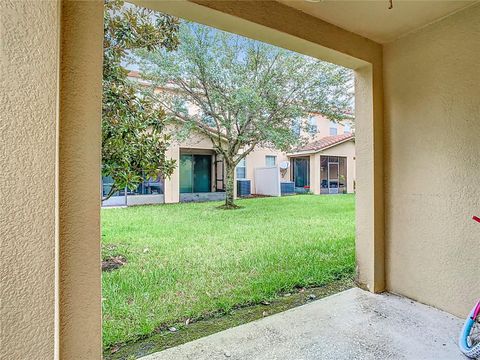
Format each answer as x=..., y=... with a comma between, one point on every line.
x=229, y=186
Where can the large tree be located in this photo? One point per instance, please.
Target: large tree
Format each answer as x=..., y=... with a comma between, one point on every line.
x=247, y=93
x=133, y=140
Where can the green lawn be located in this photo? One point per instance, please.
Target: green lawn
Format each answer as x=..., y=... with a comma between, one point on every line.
x=193, y=260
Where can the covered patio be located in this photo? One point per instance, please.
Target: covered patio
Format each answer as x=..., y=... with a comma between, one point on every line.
x=200, y=175
x=353, y=324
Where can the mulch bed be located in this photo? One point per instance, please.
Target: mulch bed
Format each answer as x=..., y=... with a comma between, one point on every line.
x=113, y=262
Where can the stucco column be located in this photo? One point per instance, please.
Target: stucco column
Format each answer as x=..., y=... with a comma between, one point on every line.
x=172, y=184
x=80, y=106
x=370, y=246
x=350, y=174
x=315, y=173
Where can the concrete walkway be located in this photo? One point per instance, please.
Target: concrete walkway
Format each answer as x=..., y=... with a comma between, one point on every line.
x=354, y=324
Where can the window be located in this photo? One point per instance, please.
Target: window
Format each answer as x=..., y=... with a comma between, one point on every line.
x=347, y=129
x=242, y=169
x=333, y=128
x=296, y=127
x=270, y=160
x=150, y=186
x=107, y=183
x=312, y=126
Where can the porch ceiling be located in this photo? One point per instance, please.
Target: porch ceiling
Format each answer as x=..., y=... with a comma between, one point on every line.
x=373, y=19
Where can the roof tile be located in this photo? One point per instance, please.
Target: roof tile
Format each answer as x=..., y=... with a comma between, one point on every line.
x=324, y=143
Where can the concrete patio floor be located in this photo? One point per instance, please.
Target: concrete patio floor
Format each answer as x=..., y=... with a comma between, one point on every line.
x=353, y=324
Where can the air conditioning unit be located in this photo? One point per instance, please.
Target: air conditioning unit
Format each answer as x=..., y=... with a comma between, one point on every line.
x=243, y=188
x=287, y=187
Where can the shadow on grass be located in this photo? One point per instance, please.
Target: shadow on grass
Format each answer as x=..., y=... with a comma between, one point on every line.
x=229, y=207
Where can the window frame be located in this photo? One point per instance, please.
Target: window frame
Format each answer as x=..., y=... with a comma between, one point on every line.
x=347, y=128
x=274, y=160
x=333, y=128
x=312, y=128
x=244, y=167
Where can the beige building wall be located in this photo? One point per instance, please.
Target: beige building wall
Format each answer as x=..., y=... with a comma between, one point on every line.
x=257, y=159
x=29, y=68
x=323, y=127
x=171, y=187
x=51, y=139
x=315, y=173
x=432, y=118
x=199, y=143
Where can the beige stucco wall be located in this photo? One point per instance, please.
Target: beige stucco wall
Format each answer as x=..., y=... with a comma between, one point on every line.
x=314, y=173
x=323, y=128
x=432, y=112
x=172, y=184
x=28, y=62
x=256, y=159
x=198, y=143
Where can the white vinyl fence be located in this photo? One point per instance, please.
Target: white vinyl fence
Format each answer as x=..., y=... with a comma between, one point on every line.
x=267, y=181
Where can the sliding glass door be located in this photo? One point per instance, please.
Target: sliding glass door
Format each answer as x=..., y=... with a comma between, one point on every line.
x=301, y=172
x=202, y=173
x=186, y=173
x=195, y=173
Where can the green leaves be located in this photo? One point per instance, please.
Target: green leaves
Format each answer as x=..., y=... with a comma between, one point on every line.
x=245, y=92
x=133, y=142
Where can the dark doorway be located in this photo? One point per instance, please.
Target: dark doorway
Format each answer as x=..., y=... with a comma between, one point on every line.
x=195, y=173
x=301, y=172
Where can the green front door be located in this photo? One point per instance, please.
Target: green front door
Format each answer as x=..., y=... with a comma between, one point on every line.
x=195, y=173
x=202, y=173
